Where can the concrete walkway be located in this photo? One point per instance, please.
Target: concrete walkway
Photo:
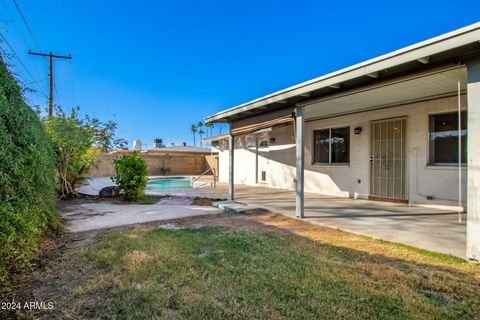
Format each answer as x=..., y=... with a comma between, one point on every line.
x=426, y=228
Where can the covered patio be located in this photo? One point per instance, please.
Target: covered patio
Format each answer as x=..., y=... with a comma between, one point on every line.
x=373, y=131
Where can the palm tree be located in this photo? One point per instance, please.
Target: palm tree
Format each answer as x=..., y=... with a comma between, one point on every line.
x=193, y=129
x=200, y=131
x=209, y=125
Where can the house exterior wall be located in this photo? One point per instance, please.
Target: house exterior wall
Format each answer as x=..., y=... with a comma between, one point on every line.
x=353, y=180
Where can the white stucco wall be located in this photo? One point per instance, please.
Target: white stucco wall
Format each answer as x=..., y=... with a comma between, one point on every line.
x=222, y=164
x=439, y=182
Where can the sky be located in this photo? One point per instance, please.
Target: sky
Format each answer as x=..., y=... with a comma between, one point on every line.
x=157, y=67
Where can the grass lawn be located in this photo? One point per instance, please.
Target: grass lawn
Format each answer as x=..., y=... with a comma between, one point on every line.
x=256, y=267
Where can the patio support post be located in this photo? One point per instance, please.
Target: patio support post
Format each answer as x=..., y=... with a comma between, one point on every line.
x=473, y=161
x=300, y=161
x=231, y=175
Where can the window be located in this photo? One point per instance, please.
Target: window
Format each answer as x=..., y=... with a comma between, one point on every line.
x=331, y=146
x=444, y=138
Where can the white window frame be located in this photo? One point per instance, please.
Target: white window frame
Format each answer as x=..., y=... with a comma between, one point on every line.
x=429, y=150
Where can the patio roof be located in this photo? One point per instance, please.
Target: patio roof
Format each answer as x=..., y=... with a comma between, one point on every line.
x=449, y=48
x=217, y=137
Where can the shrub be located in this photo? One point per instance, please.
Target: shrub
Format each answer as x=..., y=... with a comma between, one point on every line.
x=131, y=176
x=27, y=179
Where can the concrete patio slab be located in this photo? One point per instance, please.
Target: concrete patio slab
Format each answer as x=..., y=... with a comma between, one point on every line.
x=92, y=216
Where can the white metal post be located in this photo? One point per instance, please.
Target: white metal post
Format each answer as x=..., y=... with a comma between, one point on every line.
x=231, y=175
x=473, y=161
x=300, y=161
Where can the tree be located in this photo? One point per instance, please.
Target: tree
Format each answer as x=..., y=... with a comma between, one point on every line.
x=209, y=125
x=77, y=142
x=200, y=132
x=193, y=129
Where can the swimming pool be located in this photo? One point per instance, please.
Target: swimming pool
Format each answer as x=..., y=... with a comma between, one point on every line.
x=169, y=183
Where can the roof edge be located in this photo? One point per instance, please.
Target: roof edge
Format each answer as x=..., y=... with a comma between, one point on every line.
x=359, y=69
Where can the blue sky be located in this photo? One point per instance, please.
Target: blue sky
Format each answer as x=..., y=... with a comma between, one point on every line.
x=156, y=67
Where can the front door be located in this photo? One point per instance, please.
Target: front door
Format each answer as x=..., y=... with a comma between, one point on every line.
x=387, y=160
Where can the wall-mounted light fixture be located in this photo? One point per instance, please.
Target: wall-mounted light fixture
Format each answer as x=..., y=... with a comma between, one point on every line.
x=357, y=130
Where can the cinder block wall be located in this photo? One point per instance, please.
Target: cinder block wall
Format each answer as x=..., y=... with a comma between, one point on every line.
x=179, y=164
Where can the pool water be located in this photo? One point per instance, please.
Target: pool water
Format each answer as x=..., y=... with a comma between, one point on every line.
x=167, y=183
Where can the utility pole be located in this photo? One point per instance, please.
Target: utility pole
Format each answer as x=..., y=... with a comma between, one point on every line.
x=51, y=56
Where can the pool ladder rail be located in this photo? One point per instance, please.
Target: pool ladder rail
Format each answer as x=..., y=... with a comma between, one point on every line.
x=204, y=173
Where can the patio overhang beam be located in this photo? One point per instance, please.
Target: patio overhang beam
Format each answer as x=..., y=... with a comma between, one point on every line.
x=266, y=120
x=262, y=125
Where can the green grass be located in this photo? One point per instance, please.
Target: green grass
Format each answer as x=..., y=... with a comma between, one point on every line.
x=257, y=273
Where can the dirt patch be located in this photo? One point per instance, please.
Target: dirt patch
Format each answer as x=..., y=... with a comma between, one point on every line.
x=148, y=199
x=43, y=281
x=199, y=201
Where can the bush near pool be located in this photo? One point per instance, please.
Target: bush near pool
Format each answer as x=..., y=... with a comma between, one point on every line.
x=131, y=177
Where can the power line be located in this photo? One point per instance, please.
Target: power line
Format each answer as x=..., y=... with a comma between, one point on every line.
x=20, y=60
x=56, y=92
x=37, y=81
x=17, y=28
x=24, y=19
x=17, y=74
x=67, y=32
x=26, y=23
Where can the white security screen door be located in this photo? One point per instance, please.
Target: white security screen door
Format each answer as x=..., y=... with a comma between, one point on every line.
x=387, y=159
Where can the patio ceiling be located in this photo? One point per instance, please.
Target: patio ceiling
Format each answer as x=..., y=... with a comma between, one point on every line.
x=435, y=84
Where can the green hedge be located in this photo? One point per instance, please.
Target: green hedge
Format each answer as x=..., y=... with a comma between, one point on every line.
x=27, y=179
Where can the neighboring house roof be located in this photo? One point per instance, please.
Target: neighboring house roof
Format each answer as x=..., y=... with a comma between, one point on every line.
x=175, y=149
x=182, y=149
x=460, y=42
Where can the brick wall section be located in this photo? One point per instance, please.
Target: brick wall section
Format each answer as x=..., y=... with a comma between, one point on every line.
x=179, y=164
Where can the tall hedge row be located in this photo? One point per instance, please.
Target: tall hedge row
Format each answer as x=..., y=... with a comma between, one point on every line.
x=27, y=178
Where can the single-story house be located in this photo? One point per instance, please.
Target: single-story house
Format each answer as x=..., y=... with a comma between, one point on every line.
x=401, y=127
